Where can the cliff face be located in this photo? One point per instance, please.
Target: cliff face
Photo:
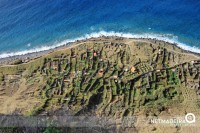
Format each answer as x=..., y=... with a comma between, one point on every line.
x=106, y=77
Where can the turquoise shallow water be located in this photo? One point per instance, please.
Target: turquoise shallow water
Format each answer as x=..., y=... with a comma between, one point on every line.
x=32, y=25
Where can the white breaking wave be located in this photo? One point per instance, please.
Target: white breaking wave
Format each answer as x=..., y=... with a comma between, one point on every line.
x=163, y=37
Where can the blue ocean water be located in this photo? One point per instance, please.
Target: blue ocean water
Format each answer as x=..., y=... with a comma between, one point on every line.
x=31, y=24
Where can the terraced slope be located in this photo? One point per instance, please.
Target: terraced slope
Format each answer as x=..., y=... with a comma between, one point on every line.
x=107, y=76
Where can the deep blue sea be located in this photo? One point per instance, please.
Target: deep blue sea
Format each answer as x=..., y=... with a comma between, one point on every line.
x=29, y=25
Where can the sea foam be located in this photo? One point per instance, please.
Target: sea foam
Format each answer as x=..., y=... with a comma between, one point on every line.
x=163, y=37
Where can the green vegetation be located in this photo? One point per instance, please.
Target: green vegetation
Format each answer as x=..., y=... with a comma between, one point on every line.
x=108, y=78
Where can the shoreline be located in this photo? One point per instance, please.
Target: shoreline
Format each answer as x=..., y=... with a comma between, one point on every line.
x=30, y=56
x=33, y=55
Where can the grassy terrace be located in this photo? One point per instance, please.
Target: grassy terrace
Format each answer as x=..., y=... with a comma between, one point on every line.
x=110, y=78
